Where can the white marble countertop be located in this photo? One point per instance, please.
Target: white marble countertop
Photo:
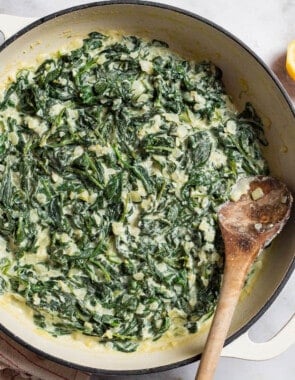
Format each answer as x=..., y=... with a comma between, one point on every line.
x=267, y=28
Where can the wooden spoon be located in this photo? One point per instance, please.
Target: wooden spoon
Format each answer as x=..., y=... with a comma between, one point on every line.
x=247, y=225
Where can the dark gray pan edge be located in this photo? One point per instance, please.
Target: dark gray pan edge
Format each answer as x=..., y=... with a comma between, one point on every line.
x=290, y=104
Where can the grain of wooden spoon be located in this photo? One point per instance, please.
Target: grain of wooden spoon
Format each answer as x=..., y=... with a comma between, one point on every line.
x=247, y=226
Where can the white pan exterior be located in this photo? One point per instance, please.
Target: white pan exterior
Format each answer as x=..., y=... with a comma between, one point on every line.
x=245, y=80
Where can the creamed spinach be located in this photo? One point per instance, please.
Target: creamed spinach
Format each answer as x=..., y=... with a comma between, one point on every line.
x=113, y=160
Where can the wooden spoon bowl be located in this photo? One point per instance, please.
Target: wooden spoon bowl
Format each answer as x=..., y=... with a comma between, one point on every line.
x=247, y=226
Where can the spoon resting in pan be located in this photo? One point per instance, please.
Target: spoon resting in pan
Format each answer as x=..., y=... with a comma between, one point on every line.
x=261, y=208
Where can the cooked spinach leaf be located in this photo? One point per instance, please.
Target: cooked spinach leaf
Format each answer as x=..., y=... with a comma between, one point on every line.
x=113, y=160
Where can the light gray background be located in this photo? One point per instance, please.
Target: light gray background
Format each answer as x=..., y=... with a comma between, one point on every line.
x=266, y=27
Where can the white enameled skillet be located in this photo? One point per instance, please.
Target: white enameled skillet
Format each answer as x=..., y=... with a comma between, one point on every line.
x=246, y=79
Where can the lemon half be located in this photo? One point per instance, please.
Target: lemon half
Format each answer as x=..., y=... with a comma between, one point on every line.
x=290, y=60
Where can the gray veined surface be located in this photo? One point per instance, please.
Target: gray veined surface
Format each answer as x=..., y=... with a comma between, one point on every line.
x=267, y=29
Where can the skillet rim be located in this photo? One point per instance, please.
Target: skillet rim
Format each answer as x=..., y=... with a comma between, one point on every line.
x=272, y=76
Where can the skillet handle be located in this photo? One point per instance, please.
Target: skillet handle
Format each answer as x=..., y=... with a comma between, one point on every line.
x=245, y=348
x=11, y=24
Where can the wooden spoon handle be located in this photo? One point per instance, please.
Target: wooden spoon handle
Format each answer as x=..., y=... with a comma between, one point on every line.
x=233, y=281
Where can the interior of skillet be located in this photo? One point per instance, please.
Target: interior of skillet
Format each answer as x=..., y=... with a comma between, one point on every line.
x=245, y=80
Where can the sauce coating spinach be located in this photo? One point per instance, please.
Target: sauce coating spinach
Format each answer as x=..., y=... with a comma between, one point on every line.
x=113, y=160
